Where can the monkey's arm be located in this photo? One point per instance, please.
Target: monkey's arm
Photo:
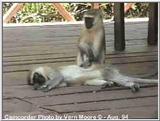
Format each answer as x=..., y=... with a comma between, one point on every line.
x=99, y=48
x=53, y=83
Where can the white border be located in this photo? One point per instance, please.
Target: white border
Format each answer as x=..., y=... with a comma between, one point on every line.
x=1, y=61
x=69, y=23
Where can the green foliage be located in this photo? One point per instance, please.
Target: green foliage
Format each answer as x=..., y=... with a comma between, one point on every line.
x=6, y=7
x=45, y=12
x=139, y=10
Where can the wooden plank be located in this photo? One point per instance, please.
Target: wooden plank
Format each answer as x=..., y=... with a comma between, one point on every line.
x=119, y=26
x=92, y=97
x=109, y=50
x=46, y=34
x=12, y=11
x=62, y=56
x=16, y=105
x=153, y=24
x=43, y=32
x=68, y=43
x=105, y=105
x=134, y=59
x=61, y=44
x=63, y=11
x=60, y=48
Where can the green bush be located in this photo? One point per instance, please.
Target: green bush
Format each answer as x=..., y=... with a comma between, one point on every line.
x=45, y=12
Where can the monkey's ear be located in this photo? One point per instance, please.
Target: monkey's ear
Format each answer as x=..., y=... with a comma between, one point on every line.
x=29, y=78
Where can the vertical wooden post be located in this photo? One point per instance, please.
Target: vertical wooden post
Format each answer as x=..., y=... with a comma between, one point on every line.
x=153, y=24
x=119, y=29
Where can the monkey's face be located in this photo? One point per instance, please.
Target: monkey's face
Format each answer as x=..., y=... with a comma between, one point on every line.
x=91, y=18
x=89, y=22
x=38, y=80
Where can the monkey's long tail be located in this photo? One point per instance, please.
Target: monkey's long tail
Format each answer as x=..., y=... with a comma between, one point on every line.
x=149, y=81
x=123, y=80
x=140, y=80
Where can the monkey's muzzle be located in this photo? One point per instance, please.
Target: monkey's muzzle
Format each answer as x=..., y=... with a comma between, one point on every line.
x=89, y=22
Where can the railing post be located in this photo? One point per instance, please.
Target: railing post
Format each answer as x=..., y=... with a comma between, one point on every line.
x=153, y=24
x=119, y=29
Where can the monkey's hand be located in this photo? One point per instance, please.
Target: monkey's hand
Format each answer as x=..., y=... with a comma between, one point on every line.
x=49, y=85
x=135, y=88
x=85, y=64
x=45, y=88
x=108, y=84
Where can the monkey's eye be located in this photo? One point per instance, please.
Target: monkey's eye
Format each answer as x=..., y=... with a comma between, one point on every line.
x=89, y=22
x=38, y=78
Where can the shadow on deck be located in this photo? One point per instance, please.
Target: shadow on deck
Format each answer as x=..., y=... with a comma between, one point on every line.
x=55, y=45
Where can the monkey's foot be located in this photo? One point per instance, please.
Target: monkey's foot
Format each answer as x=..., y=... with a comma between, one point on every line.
x=108, y=84
x=135, y=88
x=46, y=90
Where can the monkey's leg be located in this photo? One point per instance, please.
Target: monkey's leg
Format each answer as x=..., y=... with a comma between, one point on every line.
x=125, y=81
x=98, y=82
x=86, y=55
x=63, y=84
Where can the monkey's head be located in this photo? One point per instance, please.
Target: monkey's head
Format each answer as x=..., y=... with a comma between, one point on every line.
x=37, y=78
x=92, y=17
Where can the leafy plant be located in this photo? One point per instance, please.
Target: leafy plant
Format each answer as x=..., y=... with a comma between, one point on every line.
x=45, y=12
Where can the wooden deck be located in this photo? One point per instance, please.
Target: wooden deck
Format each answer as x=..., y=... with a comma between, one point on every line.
x=55, y=45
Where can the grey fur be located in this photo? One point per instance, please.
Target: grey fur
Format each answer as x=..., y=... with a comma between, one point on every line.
x=95, y=75
x=91, y=48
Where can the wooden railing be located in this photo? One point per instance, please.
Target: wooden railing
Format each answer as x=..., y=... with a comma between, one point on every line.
x=119, y=26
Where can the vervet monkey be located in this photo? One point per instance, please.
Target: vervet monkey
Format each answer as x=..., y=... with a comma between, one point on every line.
x=46, y=78
x=91, y=48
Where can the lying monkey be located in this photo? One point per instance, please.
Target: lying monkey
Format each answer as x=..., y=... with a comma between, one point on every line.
x=46, y=78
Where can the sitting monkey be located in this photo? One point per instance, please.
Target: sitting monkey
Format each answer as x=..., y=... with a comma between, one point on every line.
x=46, y=78
x=91, y=43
